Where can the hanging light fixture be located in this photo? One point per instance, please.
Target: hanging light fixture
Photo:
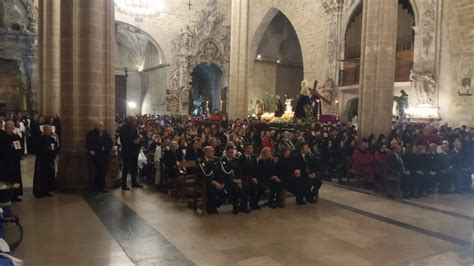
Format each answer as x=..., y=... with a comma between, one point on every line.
x=139, y=8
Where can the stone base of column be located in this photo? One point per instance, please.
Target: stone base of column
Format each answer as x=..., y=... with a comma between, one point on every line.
x=74, y=174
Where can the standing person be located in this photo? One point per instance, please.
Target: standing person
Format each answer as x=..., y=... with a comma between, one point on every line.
x=45, y=170
x=99, y=144
x=11, y=154
x=305, y=173
x=35, y=133
x=130, y=140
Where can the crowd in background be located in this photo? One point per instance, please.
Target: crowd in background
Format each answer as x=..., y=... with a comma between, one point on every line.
x=427, y=158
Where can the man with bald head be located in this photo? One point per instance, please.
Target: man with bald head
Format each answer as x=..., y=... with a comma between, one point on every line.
x=130, y=140
x=11, y=153
x=208, y=171
x=99, y=144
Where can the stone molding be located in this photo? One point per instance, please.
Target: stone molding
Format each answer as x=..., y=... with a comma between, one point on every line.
x=205, y=41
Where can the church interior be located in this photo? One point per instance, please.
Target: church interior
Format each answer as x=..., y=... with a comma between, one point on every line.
x=255, y=132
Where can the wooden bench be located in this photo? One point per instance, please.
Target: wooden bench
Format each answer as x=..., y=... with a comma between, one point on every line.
x=351, y=171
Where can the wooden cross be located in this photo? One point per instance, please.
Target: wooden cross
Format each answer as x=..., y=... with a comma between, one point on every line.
x=324, y=99
x=189, y=5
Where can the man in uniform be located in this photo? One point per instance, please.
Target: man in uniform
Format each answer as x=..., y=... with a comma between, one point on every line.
x=229, y=167
x=99, y=144
x=11, y=153
x=433, y=165
x=208, y=171
x=248, y=174
x=130, y=140
x=305, y=173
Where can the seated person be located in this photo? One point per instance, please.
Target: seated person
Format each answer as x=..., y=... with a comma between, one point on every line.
x=171, y=158
x=249, y=174
x=268, y=177
x=208, y=171
x=396, y=166
x=363, y=162
x=305, y=176
x=229, y=167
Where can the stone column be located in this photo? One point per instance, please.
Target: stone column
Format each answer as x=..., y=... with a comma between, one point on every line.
x=239, y=47
x=49, y=56
x=377, y=76
x=87, y=82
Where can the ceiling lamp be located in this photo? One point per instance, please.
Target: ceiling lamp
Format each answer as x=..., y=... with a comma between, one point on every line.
x=139, y=8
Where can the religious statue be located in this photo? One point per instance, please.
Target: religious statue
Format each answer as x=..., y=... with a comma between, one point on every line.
x=401, y=104
x=278, y=107
x=259, y=108
x=328, y=91
x=303, y=105
x=424, y=85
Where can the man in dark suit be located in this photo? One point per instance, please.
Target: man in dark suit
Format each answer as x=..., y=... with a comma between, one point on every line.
x=248, y=175
x=461, y=170
x=446, y=169
x=305, y=176
x=130, y=140
x=396, y=166
x=99, y=144
x=171, y=158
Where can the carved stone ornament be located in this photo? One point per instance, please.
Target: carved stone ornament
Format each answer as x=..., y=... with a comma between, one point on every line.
x=18, y=39
x=423, y=83
x=333, y=9
x=205, y=41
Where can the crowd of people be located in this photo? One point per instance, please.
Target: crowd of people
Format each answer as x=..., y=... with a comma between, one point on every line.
x=21, y=135
x=242, y=159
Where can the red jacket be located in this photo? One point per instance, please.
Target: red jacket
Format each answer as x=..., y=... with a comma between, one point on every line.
x=363, y=162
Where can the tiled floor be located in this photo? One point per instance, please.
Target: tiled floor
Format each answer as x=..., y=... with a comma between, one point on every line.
x=145, y=227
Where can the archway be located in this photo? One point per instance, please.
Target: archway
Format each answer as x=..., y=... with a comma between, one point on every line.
x=404, y=48
x=278, y=67
x=207, y=83
x=138, y=80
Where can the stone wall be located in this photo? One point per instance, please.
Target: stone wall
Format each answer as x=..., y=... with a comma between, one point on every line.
x=175, y=20
x=457, y=61
x=262, y=82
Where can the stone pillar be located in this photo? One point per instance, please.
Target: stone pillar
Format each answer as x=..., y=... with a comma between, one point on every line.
x=239, y=47
x=87, y=83
x=377, y=76
x=49, y=56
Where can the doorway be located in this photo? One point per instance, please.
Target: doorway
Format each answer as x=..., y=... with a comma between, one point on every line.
x=206, y=90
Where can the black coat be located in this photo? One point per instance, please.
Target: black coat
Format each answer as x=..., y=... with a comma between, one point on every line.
x=170, y=160
x=396, y=165
x=128, y=135
x=285, y=168
x=266, y=169
x=307, y=167
x=248, y=168
x=101, y=144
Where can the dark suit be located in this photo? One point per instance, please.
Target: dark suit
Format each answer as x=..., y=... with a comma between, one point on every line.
x=248, y=170
x=310, y=187
x=170, y=160
x=267, y=169
x=445, y=172
x=396, y=166
x=101, y=144
x=461, y=170
x=130, y=150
